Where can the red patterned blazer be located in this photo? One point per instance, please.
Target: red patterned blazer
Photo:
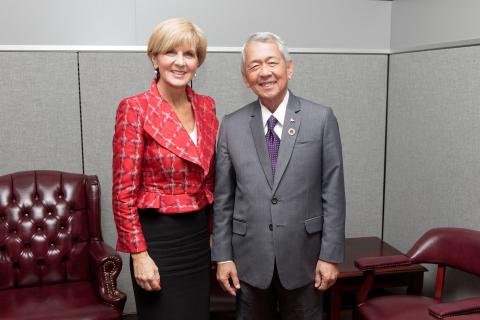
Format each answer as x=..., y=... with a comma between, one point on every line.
x=156, y=164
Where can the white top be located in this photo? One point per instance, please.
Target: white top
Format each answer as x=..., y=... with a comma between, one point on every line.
x=279, y=114
x=193, y=134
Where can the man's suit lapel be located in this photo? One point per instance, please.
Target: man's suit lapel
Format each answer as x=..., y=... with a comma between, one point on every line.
x=258, y=133
x=291, y=125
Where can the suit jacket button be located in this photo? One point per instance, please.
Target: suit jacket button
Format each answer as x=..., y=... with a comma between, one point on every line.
x=270, y=227
x=274, y=200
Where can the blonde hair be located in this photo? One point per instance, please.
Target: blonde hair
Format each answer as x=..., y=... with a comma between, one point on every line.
x=176, y=32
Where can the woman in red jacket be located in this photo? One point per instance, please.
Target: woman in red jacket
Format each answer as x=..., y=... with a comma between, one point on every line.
x=163, y=162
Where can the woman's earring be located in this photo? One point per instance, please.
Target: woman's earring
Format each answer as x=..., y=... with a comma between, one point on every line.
x=157, y=74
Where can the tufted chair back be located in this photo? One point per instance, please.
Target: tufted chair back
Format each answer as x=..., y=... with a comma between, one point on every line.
x=46, y=221
x=53, y=261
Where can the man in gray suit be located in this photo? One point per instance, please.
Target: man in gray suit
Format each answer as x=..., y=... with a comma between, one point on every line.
x=279, y=221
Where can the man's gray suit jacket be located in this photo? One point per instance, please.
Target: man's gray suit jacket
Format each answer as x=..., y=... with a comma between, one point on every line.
x=292, y=219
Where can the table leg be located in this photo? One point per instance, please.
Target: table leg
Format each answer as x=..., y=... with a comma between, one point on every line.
x=335, y=302
x=415, y=286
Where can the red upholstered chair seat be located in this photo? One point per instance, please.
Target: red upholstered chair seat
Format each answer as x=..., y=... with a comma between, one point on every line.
x=76, y=300
x=53, y=261
x=398, y=307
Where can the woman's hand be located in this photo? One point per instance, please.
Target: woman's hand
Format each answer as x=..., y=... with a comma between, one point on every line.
x=146, y=272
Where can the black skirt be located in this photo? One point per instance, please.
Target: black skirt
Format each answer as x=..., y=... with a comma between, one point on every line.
x=179, y=245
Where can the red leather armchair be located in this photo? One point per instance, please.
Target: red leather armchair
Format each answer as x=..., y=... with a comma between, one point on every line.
x=452, y=247
x=53, y=261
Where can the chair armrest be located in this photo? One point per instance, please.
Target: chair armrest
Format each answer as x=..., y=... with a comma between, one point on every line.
x=370, y=265
x=456, y=308
x=383, y=262
x=106, y=265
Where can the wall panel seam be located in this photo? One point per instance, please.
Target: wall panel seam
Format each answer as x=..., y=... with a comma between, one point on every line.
x=80, y=109
x=387, y=91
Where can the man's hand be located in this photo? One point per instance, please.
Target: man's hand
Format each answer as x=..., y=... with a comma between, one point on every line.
x=146, y=272
x=225, y=272
x=326, y=274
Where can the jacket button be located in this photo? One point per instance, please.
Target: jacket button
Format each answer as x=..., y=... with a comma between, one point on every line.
x=270, y=227
x=274, y=200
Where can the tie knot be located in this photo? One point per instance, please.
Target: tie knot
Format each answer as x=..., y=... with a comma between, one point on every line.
x=271, y=122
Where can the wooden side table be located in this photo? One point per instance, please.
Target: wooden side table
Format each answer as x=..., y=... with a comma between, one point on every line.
x=350, y=278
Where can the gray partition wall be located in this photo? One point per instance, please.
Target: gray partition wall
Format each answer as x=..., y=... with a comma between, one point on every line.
x=433, y=148
x=39, y=112
x=54, y=101
x=105, y=79
x=353, y=85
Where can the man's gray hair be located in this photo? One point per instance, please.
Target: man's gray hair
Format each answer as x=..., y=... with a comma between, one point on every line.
x=265, y=37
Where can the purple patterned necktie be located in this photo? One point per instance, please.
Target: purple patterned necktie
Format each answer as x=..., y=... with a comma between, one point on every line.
x=273, y=142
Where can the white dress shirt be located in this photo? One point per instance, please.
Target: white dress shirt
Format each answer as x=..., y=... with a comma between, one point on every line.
x=279, y=114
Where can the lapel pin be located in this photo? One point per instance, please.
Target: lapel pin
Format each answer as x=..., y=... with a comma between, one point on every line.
x=292, y=120
x=291, y=131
